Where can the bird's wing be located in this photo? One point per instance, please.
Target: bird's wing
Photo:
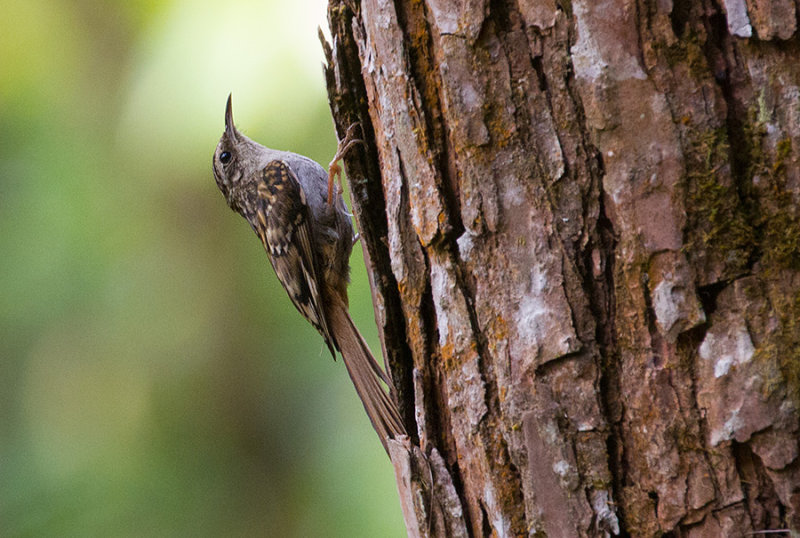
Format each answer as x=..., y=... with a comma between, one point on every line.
x=284, y=226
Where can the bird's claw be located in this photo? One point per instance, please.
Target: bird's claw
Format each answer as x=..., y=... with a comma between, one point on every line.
x=334, y=170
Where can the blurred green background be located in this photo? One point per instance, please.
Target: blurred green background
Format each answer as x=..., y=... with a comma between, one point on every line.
x=154, y=378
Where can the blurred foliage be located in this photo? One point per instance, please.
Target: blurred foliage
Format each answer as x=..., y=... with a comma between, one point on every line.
x=155, y=380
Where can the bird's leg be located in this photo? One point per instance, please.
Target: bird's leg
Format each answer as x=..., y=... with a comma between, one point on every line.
x=334, y=170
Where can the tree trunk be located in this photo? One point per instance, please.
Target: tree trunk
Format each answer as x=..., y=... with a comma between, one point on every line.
x=581, y=223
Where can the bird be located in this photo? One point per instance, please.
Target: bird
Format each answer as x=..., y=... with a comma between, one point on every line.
x=289, y=202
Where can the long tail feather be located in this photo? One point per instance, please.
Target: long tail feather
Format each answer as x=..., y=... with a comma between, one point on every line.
x=365, y=373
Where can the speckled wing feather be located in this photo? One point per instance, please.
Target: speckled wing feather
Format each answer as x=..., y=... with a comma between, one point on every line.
x=284, y=226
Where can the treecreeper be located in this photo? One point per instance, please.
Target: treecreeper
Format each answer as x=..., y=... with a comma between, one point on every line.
x=301, y=219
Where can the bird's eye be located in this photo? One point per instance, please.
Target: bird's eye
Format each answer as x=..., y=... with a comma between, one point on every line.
x=225, y=157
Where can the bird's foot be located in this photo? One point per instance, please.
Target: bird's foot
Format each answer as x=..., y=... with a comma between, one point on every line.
x=334, y=170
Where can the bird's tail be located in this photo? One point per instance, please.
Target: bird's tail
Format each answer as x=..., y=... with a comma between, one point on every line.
x=366, y=374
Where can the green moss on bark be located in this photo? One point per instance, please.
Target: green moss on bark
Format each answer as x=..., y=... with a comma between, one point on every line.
x=717, y=223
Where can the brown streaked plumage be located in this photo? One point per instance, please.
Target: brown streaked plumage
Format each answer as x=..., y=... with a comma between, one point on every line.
x=286, y=199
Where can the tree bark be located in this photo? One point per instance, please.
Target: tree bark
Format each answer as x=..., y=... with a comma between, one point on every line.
x=581, y=224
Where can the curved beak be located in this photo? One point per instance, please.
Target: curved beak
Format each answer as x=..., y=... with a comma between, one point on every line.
x=230, y=129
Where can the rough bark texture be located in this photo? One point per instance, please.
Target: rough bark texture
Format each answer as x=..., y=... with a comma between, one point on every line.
x=581, y=221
